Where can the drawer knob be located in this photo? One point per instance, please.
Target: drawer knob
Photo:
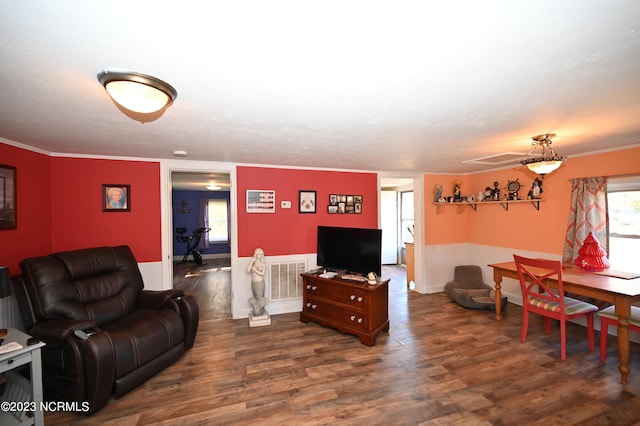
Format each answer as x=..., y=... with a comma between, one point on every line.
x=359, y=299
x=308, y=305
x=314, y=288
x=352, y=297
x=314, y=306
x=353, y=317
x=359, y=320
x=308, y=286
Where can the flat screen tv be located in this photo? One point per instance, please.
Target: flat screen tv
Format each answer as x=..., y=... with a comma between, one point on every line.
x=353, y=250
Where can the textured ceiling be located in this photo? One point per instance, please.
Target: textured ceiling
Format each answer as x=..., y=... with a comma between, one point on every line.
x=367, y=85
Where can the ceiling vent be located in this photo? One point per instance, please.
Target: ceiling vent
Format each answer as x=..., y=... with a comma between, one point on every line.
x=497, y=159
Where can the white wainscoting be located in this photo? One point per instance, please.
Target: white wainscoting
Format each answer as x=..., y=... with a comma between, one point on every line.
x=241, y=286
x=441, y=260
x=152, y=275
x=484, y=255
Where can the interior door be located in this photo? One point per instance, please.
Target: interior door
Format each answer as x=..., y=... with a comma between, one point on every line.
x=389, y=221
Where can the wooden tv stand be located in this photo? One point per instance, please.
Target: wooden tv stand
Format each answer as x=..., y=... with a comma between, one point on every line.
x=348, y=306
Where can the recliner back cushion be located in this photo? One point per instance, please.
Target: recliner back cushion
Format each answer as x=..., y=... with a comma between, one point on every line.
x=99, y=284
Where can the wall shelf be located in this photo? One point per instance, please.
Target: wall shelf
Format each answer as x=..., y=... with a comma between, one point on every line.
x=504, y=204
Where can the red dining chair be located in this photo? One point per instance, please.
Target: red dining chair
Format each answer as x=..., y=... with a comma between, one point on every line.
x=608, y=317
x=538, y=297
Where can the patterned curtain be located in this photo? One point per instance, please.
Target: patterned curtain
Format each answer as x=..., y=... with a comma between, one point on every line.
x=588, y=214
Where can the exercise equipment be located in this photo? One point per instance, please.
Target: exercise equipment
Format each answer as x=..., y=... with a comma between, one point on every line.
x=192, y=242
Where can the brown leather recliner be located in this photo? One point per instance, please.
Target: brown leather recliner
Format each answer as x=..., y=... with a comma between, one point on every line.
x=104, y=334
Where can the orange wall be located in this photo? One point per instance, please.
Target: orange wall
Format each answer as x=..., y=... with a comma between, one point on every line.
x=521, y=227
x=288, y=232
x=32, y=236
x=444, y=224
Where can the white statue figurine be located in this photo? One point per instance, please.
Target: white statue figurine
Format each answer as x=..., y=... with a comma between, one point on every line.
x=257, y=267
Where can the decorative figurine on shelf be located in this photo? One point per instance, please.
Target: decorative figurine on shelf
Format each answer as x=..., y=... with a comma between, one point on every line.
x=257, y=267
x=457, y=184
x=513, y=186
x=438, y=193
x=495, y=193
x=488, y=194
x=372, y=278
x=536, y=189
x=481, y=195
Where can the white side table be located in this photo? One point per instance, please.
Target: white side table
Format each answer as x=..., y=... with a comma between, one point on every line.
x=15, y=359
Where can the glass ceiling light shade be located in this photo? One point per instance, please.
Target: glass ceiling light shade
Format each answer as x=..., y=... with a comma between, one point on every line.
x=137, y=92
x=547, y=160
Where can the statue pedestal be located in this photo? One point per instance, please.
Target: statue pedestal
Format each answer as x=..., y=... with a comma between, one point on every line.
x=259, y=320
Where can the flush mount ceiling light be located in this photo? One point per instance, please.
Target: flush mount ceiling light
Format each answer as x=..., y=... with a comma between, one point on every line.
x=547, y=160
x=137, y=92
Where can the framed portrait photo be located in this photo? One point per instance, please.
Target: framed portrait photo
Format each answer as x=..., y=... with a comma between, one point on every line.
x=8, y=205
x=306, y=201
x=116, y=197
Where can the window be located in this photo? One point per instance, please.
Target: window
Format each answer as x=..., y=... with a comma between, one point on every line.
x=406, y=215
x=218, y=215
x=624, y=222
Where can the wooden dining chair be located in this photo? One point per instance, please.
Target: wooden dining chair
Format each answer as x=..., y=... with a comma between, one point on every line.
x=608, y=317
x=538, y=296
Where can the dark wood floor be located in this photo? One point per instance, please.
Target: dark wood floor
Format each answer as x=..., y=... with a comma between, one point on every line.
x=440, y=364
x=209, y=283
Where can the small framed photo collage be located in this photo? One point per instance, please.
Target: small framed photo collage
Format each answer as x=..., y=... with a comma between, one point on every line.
x=345, y=204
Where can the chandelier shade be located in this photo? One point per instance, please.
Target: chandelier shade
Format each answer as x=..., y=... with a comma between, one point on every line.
x=136, y=91
x=547, y=160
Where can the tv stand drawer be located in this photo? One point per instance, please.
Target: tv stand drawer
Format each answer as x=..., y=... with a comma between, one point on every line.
x=336, y=314
x=349, y=307
x=338, y=293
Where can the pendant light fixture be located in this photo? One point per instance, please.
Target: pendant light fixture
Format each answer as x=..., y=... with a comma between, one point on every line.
x=544, y=160
x=136, y=91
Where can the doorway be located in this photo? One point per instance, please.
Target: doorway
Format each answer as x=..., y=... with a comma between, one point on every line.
x=202, y=200
x=396, y=219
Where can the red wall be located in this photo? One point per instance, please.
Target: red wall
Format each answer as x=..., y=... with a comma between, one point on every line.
x=76, y=206
x=33, y=234
x=288, y=232
x=60, y=207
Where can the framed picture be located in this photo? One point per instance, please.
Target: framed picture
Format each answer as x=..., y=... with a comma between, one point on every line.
x=116, y=197
x=344, y=203
x=261, y=201
x=306, y=201
x=8, y=205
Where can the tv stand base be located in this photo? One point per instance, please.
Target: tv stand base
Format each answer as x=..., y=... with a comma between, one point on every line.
x=349, y=307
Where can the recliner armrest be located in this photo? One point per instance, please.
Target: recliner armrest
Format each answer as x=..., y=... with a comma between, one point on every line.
x=54, y=332
x=153, y=299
